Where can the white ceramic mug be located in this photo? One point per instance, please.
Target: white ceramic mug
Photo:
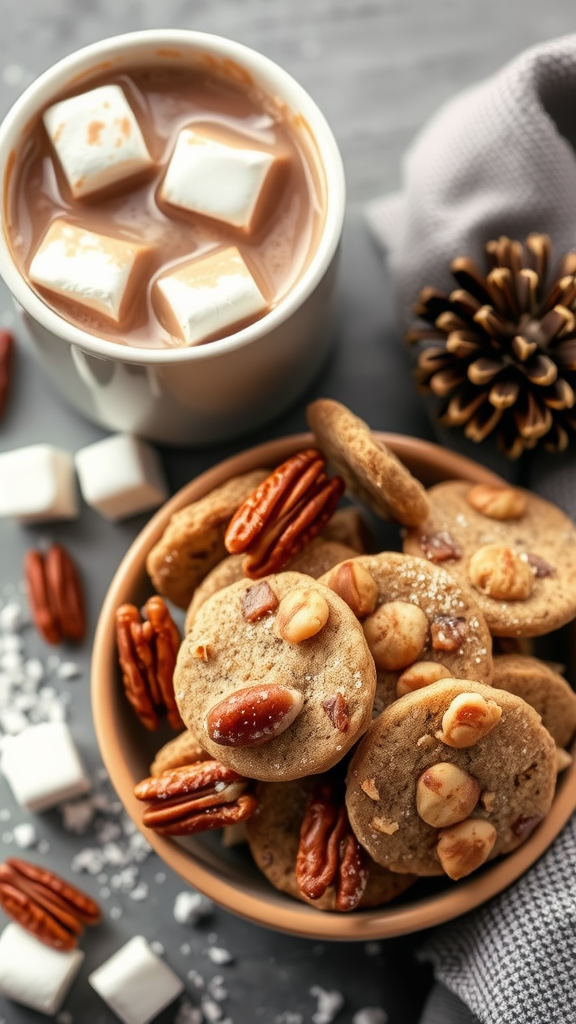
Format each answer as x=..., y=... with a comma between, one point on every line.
x=210, y=392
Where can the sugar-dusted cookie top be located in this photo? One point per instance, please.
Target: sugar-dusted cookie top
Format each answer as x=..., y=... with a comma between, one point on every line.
x=539, y=685
x=193, y=542
x=450, y=776
x=314, y=560
x=515, y=549
x=274, y=837
x=420, y=624
x=275, y=678
x=371, y=470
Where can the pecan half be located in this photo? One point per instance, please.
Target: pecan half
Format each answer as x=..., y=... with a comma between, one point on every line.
x=45, y=904
x=283, y=514
x=329, y=853
x=55, y=594
x=6, y=362
x=195, y=798
x=253, y=715
x=147, y=654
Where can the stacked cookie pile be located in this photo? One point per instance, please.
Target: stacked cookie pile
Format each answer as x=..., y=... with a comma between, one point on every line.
x=347, y=706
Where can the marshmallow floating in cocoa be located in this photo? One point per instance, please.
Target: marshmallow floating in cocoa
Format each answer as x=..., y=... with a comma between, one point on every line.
x=97, y=139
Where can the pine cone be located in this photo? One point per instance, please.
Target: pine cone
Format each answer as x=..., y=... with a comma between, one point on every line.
x=502, y=351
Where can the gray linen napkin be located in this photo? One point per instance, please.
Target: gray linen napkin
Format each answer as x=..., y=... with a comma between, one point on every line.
x=498, y=159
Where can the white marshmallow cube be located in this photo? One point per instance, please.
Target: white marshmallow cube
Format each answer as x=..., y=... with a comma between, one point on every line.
x=96, y=271
x=215, y=179
x=97, y=139
x=120, y=476
x=34, y=974
x=206, y=296
x=43, y=767
x=135, y=983
x=37, y=484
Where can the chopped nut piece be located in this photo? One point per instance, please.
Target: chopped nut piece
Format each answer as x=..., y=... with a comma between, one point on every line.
x=540, y=567
x=464, y=847
x=258, y=601
x=337, y=710
x=420, y=674
x=499, y=572
x=498, y=501
x=425, y=741
x=396, y=633
x=369, y=787
x=440, y=546
x=448, y=632
x=523, y=827
x=385, y=825
x=301, y=615
x=355, y=585
x=201, y=651
x=446, y=794
x=253, y=715
x=488, y=800
x=468, y=719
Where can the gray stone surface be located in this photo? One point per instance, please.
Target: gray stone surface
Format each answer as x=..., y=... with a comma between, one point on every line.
x=378, y=69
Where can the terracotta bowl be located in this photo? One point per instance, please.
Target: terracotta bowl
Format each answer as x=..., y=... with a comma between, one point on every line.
x=229, y=876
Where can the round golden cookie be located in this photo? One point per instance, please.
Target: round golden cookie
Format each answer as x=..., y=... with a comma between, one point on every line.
x=371, y=470
x=506, y=778
x=193, y=542
x=542, y=539
x=332, y=673
x=454, y=640
x=541, y=687
x=183, y=749
x=273, y=833
x=315, y=559
x=348, y=526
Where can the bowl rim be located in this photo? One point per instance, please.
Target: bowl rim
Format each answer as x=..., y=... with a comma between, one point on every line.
x=298, y=918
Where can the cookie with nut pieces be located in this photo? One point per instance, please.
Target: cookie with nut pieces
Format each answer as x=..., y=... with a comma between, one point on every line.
x=516, y=550
x=419, y=623
x=275, y=678
x=372, y=471
x=273, y=834
x=544, y=688
x=193, y=542
x=449, y=777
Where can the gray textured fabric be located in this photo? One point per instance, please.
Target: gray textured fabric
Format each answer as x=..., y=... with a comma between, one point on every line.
x=443, y=1007
x=499, y=159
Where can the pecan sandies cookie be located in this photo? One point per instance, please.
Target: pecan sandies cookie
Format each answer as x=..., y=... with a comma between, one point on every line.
x=371, y=470
x=420, y=625
x=193, y=542
x=449, y=777
x=541, y=687
x=275, y=678
x=300, y=838
x=514, y=549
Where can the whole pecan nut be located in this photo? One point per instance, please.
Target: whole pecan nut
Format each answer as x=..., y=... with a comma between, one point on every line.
x=283, y=514
x=55, y=594
x=195, y=798
x=147, y=651
x=44, y=904
x=329, y=853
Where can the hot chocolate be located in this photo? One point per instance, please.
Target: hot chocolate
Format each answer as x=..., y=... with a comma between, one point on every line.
x=164, y=207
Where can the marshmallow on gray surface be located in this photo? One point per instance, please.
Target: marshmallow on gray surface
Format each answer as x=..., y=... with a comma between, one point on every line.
x=97, y=139
x=120, y=476
x=42, y=766
x=215, y=179
x=37, y=484
x=97, y=271
x=135, y=983
x=206, y=296
x=34, y=974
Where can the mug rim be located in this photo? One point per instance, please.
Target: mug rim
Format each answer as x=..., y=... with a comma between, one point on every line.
x=270, y=76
